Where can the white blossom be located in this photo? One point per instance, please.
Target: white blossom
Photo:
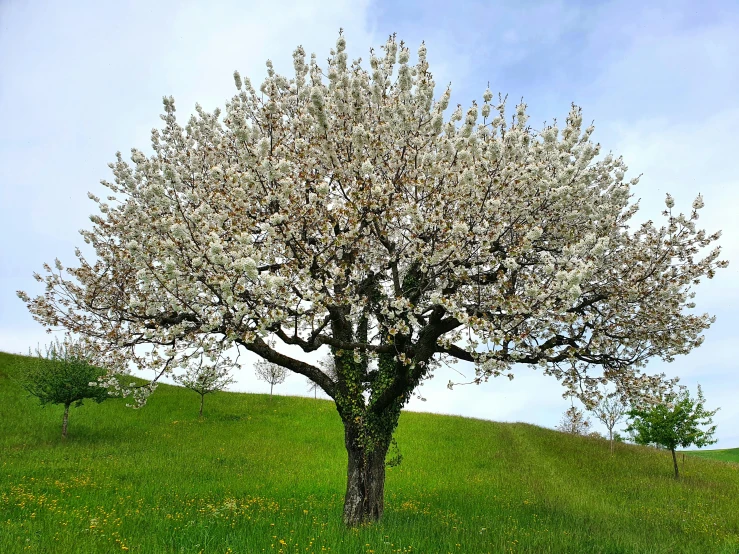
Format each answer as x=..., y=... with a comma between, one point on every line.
x=460, y=228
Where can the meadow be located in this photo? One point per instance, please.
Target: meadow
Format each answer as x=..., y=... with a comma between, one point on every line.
x=727, y=455
x=260, y=474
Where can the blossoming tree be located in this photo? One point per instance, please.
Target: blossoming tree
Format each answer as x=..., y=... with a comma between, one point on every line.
x=341, y=208
x=610, y=411
x=574, y=421
x=205, y=376
x=273, y=374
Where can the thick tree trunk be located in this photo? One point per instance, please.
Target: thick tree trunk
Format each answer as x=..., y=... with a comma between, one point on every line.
x=202, y=397
x=65, y=421
x=674, y=462
x=365, y=480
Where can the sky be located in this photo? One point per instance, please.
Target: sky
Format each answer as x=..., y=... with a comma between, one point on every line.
x=82, y=80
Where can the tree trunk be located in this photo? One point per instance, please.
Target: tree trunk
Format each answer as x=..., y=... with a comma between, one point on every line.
x=674, y=462
x=65, y=421
x=271, y=386
x=365, y=479
x=202, y=397
x=610, y=438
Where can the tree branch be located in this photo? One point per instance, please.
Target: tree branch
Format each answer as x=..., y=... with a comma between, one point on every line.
x=261, y=348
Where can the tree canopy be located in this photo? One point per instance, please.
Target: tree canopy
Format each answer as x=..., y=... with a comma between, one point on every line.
x=344, y=207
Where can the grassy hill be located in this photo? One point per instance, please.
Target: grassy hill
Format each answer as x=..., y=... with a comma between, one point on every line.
x=727, y=455
x=268, y=475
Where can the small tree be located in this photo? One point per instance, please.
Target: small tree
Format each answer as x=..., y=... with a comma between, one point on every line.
x=674, y=422
x=574, y=422
x=64, y=374
x=312, y=387
x=272, y=373
x=327, y=365
x=610, y=411
x=205, y=378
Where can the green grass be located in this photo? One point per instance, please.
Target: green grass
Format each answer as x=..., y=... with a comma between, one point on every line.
x=268, y=475
x=728, y=455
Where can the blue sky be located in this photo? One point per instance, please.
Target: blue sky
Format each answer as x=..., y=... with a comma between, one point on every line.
x=81, y=80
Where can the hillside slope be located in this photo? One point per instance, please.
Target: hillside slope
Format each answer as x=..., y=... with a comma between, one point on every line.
x=725, y=455
x=268, y=475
